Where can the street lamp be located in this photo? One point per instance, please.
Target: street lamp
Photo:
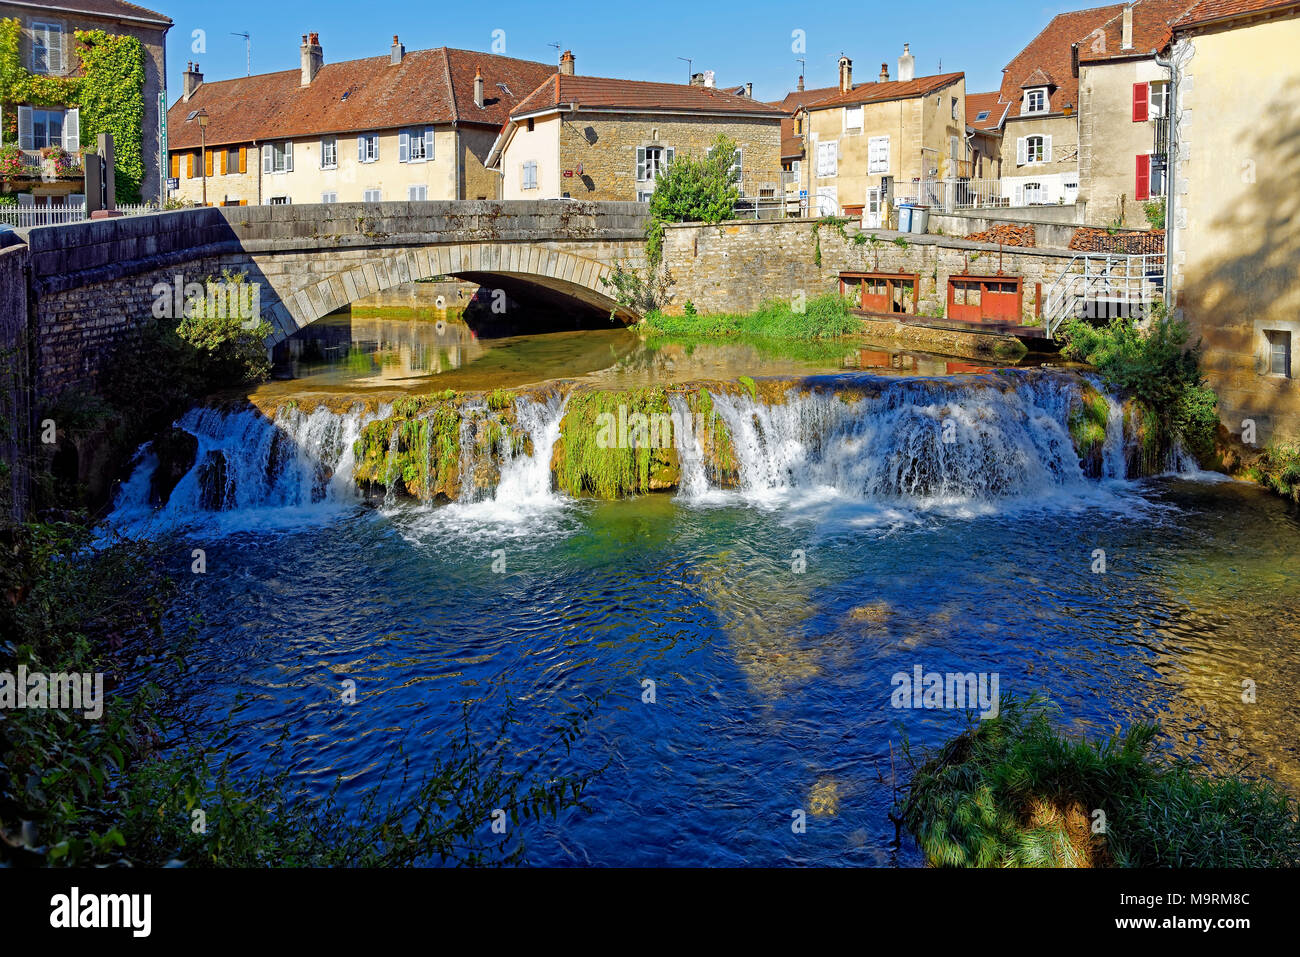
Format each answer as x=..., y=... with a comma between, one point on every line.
x=202, y=117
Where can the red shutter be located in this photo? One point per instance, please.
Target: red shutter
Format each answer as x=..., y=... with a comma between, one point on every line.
x=1142, y=190
x=1141, y=102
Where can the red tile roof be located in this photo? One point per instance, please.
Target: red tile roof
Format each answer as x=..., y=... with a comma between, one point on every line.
x=792, y=146
x=892, y=90
x=428, y=86
x=977, y=103
x=604, y=93
x=1152, y=20
x=102, y=8
x=1050, y=52
x=1209, y=11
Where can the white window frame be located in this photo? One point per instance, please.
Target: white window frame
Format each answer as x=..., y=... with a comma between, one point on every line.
x=644, y=195
x=48, y=30
x=415, y=145
x=281, y=201
x=368, y=148
x=1272, y=350
x=648, y=167
x=852, y=112
x=329, y=152
x=878, y=154
x=372, y=196
x=417, y=193
x=1025, y=154
x=827, y=201
x=828, y=159
x=329, y=197
x=69, y=128
x=954, y=107
x=1034, y=94
x=1039, y=194
x=1157, y=102
x=528, y=174
x=276, y=157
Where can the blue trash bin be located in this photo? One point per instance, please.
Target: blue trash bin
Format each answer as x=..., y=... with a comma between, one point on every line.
x=905, y=217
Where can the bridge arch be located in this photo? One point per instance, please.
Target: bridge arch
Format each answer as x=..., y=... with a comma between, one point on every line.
x=557, y=270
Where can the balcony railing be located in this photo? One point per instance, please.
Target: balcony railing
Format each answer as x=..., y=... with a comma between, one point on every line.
x=42, y=166
x=25, y=216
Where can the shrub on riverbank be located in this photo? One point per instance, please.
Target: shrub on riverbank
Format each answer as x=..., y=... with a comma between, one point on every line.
x=1156, y=367
x=1278, y=469
x=823, y=318
x=131, y=789
x=1014, y=791
x=693, y=190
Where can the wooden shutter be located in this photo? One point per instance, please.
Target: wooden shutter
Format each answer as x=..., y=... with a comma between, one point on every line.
x=1047, y=149
x=189, y=165
x=72, y=130
x=1022, y=151
x=669, y=155
x=268, y=158
x=403, y=147
x=222, y=166
x=1142, y=187
x=243, y=159
x=640, y=164
x=428, y=143
x=361, y=149
x=176, y=165
x=207, y=162
x=288, y=156
x=1141, y=102
x=25, y=128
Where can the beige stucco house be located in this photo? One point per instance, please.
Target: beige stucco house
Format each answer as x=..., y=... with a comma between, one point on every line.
x=1123, y=114
x=48, y=47
x=597, y=138
x=870, y=145
x=408, y=125
x=1235, y=223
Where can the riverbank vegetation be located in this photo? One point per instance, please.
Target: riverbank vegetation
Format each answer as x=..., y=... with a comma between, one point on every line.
x=130, y=788
x=1016, y=791
x=1157, y=369
x=1278, y=470
x=815, y=320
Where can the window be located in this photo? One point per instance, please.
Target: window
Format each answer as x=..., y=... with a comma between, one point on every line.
x=277, y=157
x=1033, y=149
x=329, y=197
x=368, y=147
x=372, y=196
x=644, y=196
x=878, y=154
x=796, y=167
x=329, y=152
x=230, y=162
x=417, y=194
x=1036, y=100
x=415, y=146
x=853, y=119
x=279, y=200
x=828, y=203
x=530, y=124
x=1142, y=178
x=737, y=166
x=528, y=175
x=47, y=128
x=954, y=107
x=47, y=47
x=1159, y=98
x=954, y=148
x=1035, y=195
x=828, y=158
x=981, y=116
x=1279, y=353
x=651, y=161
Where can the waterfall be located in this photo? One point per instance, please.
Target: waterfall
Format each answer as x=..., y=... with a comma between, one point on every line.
x=526, y=478
x=694, y=482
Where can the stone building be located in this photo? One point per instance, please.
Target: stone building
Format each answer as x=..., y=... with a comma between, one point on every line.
x=48, y=47
x=403, y=126
x=1123, y=107
x=872, y=144
x=596, y=138
x=1235, y=237
x=984, y=115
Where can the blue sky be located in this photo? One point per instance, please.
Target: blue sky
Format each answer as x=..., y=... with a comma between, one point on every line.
x=739, y=41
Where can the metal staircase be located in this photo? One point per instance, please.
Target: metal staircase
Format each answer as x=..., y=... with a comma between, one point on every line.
x=1103, y=286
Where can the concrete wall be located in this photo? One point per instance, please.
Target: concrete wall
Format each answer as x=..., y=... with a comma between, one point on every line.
x=1110, y=142
x=738, y=265
x=15, y=410
x=1236, y=225
x=97, y=283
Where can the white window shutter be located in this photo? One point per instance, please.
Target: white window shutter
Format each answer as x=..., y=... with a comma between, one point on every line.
x=25, y=128
x=1047, y=149
x=428, y=143
x=640, y=164
x=267, y=159
x=72, y=130
x=1022, y=152
x=55, y=48
x=669, y=153
x=288, y=155
x=403, y=147
x=1020, y=194
x=361, y=149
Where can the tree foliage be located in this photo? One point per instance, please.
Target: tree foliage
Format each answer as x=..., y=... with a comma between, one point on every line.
x=693, y=190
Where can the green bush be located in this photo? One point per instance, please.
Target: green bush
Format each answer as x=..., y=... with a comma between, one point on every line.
x=825, y=317
x=1278, y=469
x=692, y=190
x=1013, y=791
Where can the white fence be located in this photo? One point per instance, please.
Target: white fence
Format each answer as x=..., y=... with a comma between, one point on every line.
x=950, y=194
x=57, y=214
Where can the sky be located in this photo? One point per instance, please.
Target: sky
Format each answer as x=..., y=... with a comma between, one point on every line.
x=741, y=42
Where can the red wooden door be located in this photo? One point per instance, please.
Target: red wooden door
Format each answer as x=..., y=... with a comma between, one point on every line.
x=1001, y=301
x=964, y=299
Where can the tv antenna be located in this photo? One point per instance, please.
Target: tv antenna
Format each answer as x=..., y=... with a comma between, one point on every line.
x=689, y=72
x=248, y=50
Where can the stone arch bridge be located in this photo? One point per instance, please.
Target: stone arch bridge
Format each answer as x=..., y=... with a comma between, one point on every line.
x=92, y=284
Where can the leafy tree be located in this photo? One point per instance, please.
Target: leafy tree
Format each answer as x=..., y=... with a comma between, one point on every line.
x=693, y=190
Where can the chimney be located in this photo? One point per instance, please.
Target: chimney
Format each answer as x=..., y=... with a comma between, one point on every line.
x=846, y=74
x=478, y=88
x=193, y=80
x=396, y=52
x=709, y=79
x=906, y=65
x=313, y=58
x=1126, y=29
x=697, y=79
x=566, y=63
x=884, y=73
x=749, y=90
x=799, y=88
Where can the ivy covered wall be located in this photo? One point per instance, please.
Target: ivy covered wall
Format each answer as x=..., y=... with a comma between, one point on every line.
x=108, y=88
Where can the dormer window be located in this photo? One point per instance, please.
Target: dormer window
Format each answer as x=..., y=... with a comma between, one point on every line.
x=1036, y=100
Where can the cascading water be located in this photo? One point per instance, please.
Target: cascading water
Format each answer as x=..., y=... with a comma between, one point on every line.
x=526, y=479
